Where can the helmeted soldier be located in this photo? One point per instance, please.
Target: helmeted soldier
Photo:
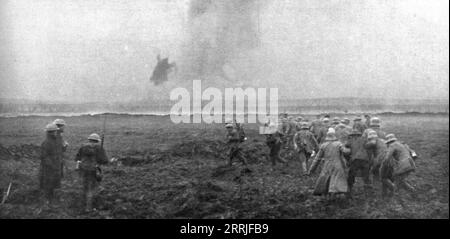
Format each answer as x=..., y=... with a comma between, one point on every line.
x=359, y=160
x=358, y=124
x=375, y=125
x=61, y=124
x=346, y=121
x=335, y=122
x=274, y=141
x=315, y=126
x=323, y=130
x=234, y=142
x=397, y=166
x=332, y=179
x=377, y=149
x=305, y=144
x=51, y=161
x=89, y=158
x=368, y=119
x=342, y=132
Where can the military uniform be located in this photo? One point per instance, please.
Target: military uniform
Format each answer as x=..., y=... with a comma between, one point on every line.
x=315, y=127
x=359, y=160
x=397, y=165
x=234, y=141
x=90, y=155
x=332, y=178
x=50, y=166
x=274, y=142
x=360, y=126
x=305, y=143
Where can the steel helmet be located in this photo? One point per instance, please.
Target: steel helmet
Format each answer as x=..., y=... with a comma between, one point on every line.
x=51, y=127
x=304, y=125
x=390, y=138
x=59, y=122
x=372, y=134
x=229, y=125
x=95, y=137
x=375, y=121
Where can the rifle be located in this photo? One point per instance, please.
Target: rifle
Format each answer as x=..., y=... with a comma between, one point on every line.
x=103, y=131
x=6, y=194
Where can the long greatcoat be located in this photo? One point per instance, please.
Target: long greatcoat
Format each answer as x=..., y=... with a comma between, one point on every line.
x=50, y=172
x=332, y=178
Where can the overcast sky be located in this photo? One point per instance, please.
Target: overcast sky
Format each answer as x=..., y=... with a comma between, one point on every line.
x=90, y=50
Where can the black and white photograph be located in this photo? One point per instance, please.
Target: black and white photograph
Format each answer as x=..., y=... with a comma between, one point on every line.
x=224, y=109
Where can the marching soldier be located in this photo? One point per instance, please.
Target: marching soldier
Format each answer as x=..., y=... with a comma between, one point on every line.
x=332, y=179
x=377, y=149
x=396, y=167
x=275, y=143
x=375, y=125
x=51, y=161
x=315, y=126
x=89, y=157
x=335, y=122
x=305, y=144
x=359, y=125
x=359, y=160
x=61, y=124
x=368, y=119
x=323, y=130
x=234, y=141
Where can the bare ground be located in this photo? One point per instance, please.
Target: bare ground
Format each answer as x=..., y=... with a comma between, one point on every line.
x=177, y=171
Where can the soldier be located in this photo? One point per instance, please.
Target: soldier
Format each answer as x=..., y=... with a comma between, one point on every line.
x=332, y=179
x=50, y=167
x=274, y=142
x=396, y=167
x=240, y=129
x=315, y=126
x=359, y=160
x=346, y=121
x=305, y=144
x=335, y=122
x=375, y=125
x=359, y=125
x=89, y=157
x=61, y=124
x=367, y=123
x=323, y=130
x=377, y=150
x=234, y=141
x=342, y=132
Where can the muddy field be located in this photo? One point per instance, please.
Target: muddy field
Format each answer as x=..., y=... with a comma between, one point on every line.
x=178, y=171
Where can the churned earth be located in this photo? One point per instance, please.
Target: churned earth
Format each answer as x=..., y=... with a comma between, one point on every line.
x=168, y=170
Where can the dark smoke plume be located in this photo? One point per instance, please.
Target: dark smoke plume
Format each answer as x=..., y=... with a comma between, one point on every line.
x=219, y=32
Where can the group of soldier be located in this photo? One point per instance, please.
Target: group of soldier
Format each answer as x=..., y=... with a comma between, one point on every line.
x=342, y=150
x=90, y=155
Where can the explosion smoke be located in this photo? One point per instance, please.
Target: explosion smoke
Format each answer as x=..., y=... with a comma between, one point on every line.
x=219, y=33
